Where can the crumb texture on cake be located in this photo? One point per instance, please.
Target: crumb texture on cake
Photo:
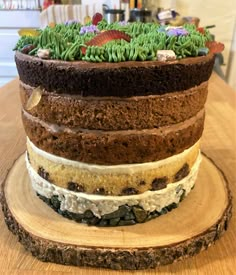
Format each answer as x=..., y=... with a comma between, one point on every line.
x=113, y=144
x=106, y=207
x=116, y=113
x=123, y=79
x=114, y=147
x=121, y=180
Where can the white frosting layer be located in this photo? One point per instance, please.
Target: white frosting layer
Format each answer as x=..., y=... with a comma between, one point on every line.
x=100, y=205
x=113, y=169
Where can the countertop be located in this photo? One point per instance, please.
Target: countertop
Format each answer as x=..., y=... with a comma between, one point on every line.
x=218, y=143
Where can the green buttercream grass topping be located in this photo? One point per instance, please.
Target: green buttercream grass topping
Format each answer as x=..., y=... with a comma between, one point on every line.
x=64, y=42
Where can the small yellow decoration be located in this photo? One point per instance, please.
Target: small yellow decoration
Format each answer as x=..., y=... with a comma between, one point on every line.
x=28, y=32
x=52, y=25
x=87, y=19
x=34, y=99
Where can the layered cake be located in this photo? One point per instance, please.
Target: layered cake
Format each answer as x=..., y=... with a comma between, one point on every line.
x=113, y=115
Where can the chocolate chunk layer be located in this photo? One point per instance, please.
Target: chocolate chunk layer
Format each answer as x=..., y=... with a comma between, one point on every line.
x=183, y=172
x=129, y=191
x=159, y=183
x=43, y=173
x=73, y=186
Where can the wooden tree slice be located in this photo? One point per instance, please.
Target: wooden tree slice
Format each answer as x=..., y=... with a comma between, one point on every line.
x=197, y=223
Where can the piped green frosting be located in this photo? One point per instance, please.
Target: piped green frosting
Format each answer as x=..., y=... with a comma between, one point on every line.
x=65, y=42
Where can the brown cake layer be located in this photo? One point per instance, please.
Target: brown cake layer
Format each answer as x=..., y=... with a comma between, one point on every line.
x=113, y=113
x=114, y=147
x=123, y=79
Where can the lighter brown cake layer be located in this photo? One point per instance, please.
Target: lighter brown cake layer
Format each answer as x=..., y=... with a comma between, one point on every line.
x=111, y=180
x=114, y=147
x=114, y=113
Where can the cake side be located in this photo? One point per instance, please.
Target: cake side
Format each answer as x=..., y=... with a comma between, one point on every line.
x=126, y=179
x=123, y=79
x=114, y=147
x=113, y=117
x=102, y=210
x=115, y=113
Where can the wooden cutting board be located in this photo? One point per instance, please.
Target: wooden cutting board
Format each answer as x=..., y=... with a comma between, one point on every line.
x=197, y=223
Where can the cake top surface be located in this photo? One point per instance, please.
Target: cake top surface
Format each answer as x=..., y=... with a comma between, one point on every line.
x=116, y=42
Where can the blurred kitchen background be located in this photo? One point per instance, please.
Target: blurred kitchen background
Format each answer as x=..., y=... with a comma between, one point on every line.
x=16, y=14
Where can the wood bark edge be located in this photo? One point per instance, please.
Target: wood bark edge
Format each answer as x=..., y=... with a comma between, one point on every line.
x=116, y=258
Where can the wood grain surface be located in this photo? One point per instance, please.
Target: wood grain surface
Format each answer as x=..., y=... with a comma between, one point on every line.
x=218, y=142
x=195, y=225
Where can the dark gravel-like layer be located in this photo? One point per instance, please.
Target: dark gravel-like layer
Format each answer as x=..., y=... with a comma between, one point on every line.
x=125, y=215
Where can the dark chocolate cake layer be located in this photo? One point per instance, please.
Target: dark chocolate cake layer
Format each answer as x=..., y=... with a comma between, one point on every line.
x=114, y=113
x=114, y=147
x=123, y=79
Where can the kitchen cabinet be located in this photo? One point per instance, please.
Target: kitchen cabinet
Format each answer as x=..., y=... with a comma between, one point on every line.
x=10, y=22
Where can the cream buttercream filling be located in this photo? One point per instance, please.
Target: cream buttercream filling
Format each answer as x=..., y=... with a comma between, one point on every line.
x=128, y=169
x=100, y=205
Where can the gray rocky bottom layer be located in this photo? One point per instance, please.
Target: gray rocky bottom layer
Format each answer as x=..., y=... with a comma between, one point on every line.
x=103, y=210
x=125, y=215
